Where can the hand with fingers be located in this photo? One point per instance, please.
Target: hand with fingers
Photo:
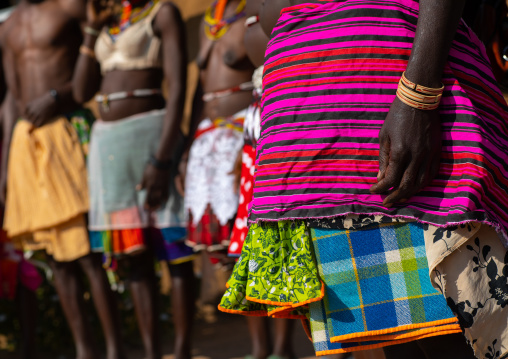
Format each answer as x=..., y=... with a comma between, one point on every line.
x=99, y=13
x=41, y=110
x=156, y=182
x=409, y=152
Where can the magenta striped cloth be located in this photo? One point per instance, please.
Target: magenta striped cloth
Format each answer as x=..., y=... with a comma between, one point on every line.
x=331, y=73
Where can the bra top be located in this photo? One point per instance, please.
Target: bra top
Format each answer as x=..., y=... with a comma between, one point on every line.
x=135, y=48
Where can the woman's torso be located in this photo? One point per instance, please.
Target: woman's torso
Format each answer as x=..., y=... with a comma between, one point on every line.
x=224, y=65
x=131, y=63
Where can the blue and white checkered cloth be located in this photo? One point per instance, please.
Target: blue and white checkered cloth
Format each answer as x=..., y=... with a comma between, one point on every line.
x=377, y=289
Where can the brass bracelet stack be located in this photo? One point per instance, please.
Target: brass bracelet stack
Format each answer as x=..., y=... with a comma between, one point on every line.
x=417, y=96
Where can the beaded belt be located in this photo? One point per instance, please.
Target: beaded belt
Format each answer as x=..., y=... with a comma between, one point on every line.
x=210, y=96
x=105, y=99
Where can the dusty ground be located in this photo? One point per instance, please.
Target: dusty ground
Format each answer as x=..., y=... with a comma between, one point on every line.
x=228, y=338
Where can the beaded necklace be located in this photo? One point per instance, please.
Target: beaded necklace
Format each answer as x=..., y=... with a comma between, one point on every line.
x=130, y=16
x=216, y=26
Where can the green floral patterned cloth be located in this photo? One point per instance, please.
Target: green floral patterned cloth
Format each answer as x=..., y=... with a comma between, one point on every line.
x=82, y=120
x=276, y=274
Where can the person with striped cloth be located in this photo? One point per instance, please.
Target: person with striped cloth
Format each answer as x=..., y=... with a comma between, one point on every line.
x=382, y=161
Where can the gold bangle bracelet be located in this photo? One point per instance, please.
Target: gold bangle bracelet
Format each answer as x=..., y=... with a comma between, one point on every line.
x=87, y=51
x=418, y=96
x=415, y=104
x=419, y=88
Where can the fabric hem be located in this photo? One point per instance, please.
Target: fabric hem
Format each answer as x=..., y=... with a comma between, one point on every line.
x=497, y=227
x=375, y=333
x=80, y=212
x=286, y=306
x=137, y=226
x=182, y=259
x=260, y=313
x=385, y=344
x=254, y=313
x=415, y=333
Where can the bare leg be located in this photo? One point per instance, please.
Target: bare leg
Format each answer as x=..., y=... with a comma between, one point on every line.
x=105, y=305
x=365, y=354
x=182, y=300
x=283, y=338
x=259, y=337
x=70, y=290
x=27, y=304
x=144, y=294
x=446, y=346
x=406, y=350
x=337, y=356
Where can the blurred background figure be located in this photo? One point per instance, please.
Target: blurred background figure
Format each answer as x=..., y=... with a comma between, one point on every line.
x=262, y=345
x=222, y=96
x=488, y=20
x=135, y=149
x=261, y=17
x=18, y=278
x=47, y=195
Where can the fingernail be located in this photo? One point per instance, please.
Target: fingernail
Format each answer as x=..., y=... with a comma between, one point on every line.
x=138, y=187
x=378, y=176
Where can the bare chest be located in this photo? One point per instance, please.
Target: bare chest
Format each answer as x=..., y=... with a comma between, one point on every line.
x=41, y=27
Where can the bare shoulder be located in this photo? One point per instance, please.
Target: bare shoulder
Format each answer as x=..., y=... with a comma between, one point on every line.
x=12, y=22
x=168, y=12
x=168, y=18
x=74, y=8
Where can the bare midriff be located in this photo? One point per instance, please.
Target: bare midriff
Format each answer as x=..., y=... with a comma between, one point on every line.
x=129, y=80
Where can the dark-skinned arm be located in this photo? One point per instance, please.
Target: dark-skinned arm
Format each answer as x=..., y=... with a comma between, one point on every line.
x=45, y=107
x=9, y=117
x=168, y=25
x=198, y=104
x=196, y=115
x=410, y=139
x=60, y=99
x=87, y=77
x=270, y=13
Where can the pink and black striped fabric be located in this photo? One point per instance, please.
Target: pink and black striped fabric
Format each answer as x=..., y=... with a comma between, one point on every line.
x=331, y=73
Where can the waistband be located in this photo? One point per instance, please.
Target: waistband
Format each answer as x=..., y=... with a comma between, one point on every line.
x=142, y=117
x=234, y=122
x=210, y=96
x=105, y=99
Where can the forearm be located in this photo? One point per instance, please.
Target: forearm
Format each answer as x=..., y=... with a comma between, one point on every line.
x=171, y=132
x=196, y=115
x=64, y=98
x=87, y=76
x=10, y=115
x=437, y=24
